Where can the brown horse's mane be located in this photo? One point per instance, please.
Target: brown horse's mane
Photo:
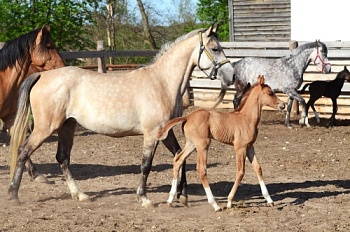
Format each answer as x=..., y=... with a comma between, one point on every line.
x=245, y=96
x=18, y=50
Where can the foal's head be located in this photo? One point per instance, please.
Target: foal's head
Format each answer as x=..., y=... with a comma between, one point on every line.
x=265, y=94
x=345, y=74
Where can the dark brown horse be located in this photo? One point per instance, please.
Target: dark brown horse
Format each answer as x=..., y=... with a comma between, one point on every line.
x=238, y=128
x=331, y=89
x=29, y=53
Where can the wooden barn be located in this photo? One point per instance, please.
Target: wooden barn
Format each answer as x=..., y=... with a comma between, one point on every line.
x=264, y=28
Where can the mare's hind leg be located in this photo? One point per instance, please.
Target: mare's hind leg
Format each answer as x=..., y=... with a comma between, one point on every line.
x=32, y=143
x=258, y=171
x=173, y=146
x=65, y=143
x=179, y=161
x=34, y=174
x=293, y=95
x=149, y=148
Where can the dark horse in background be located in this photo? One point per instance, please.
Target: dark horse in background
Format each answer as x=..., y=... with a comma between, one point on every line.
x=331, y=89
x=29, y=53
x=283, y=74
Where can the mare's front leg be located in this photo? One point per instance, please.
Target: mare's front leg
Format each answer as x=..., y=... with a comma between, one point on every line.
x=173, y=146
x=258, y=171
x=149, y=148
x=65, y=144
x=293, y=95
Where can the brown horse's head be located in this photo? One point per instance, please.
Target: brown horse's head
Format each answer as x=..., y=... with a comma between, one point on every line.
x=44, y=54
x=268, y=97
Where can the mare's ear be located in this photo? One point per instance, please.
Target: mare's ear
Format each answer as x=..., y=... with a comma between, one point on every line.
x=261, y=79
x=212, y=29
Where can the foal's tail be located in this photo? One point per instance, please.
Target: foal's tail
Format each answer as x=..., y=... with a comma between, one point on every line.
x=20, y=126
x=163, y=133
x=305, y=86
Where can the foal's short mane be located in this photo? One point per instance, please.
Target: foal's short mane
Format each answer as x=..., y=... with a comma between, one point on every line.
x=301, y=48
x=245, y=96
x=165, y=47
x=18, y=50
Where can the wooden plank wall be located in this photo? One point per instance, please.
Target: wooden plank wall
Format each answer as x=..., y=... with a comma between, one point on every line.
x=260, y=20
x=204, y=91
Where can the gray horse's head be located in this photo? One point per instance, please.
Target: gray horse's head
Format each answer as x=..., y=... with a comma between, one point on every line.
x=319, y=57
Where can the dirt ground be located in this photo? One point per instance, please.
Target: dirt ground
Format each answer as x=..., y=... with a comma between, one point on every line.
x=306, y=171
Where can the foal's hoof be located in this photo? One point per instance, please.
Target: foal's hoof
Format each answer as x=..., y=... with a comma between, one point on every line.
x=148, y=204
x=272, y=204
x=41, y=179
x=14, y=202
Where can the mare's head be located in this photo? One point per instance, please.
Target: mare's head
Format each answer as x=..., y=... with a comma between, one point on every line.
x=319, y=57
x=345, y=74
x=44, y=54
x=211, y=56
x=266, y=96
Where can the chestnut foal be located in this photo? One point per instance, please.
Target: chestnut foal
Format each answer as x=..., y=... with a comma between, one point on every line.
x=238, y=128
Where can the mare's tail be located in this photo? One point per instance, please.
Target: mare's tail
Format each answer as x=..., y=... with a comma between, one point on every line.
x=221, y=95
x=305, y=86
x=163, y=133
x=20, y=126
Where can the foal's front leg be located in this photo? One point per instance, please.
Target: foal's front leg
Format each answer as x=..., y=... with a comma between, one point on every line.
x=258, y=171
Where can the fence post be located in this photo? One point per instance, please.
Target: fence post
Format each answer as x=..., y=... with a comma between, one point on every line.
x=101, y=62
x=295, y=107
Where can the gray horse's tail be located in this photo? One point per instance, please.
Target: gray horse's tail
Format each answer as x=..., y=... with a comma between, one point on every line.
x=221, y=95
x=20, y=125
x=305, y=86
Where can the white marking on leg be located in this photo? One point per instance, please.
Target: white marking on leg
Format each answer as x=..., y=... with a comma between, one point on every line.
x=265, y=193
x=75, y=191
x=211, y=199
x=172, y=192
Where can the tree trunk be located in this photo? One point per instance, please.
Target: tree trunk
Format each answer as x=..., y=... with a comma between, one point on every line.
x=146, y=29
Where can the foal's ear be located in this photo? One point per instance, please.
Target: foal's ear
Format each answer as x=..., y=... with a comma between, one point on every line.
x=46, y=28
x=261, y=79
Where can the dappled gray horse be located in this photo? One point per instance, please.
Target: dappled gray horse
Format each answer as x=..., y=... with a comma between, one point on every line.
x=139, y=102
x=284, y=74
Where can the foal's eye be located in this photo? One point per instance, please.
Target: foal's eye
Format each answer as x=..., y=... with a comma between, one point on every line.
x=215, y=49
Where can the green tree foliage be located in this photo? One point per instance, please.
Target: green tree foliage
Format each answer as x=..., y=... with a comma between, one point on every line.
x=210, y=11
x=66, y=19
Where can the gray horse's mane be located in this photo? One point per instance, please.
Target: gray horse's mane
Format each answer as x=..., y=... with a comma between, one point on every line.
x=301, y=48
x=165, y=47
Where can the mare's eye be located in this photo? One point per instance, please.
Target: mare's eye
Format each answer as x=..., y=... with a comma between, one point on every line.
x=215, y=49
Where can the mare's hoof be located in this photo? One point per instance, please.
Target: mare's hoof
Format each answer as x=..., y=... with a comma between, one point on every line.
x=41, y=179
x=83, y=197
x=183, y=200
x=14, y=202
x=147, y=204
x=219, y=209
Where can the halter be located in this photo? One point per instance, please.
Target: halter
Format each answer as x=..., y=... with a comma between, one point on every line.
x=319, y=57
x=217, y=65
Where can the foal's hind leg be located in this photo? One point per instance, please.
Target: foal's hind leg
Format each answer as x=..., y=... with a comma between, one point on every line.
x=258, y=171
x=173, y=146
x=335, y=109
x=179, y=161
x=65, y=143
